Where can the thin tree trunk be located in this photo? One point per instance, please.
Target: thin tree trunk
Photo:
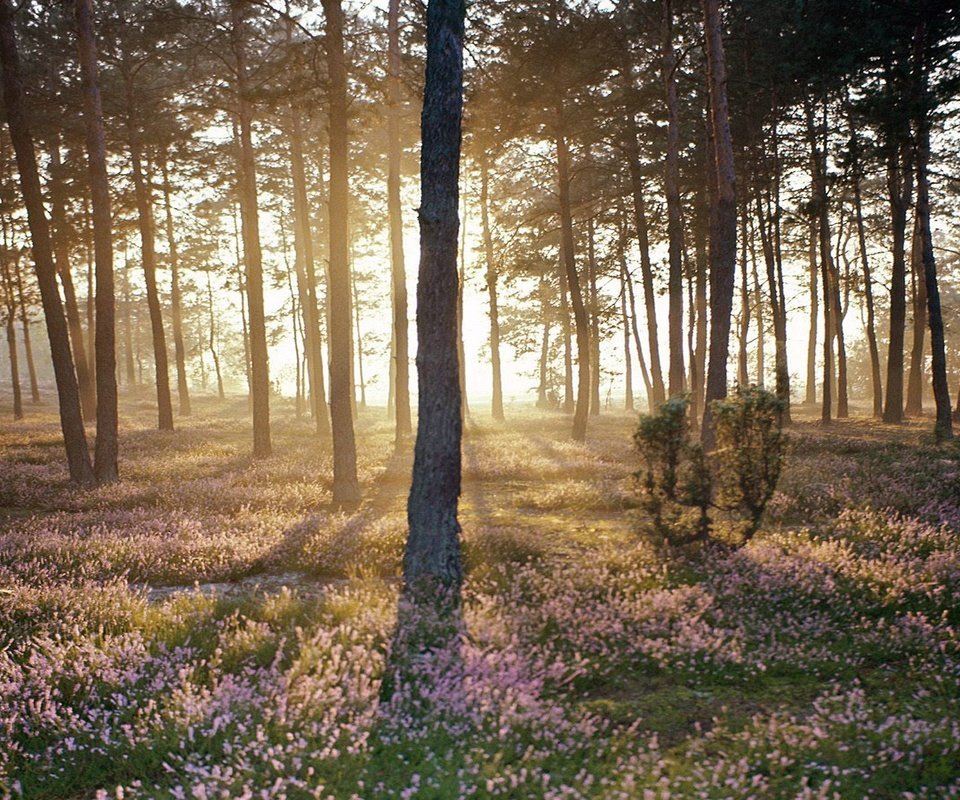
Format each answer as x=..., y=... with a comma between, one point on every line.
x=149, y=256
x=627, y=357
x=941, y=390
x=497, y=384
x=543, y=401
x=61, y=255
x=671, y=184
x=252, y=255
x=356, y=319
x=106, y=451
x=594, y=314
x=898, y=187
x=27, y=345
x=742, y=374
x=724, y=219
x=875, y=379
x=212, y=341
x=346, y=489
x=10, y=301
x=581, y=324
x=432, y=557
x=71, y=419
x=699, y=362
x=176, y=303
x=127, y=323
x=914, y=404
x=400, y=363
x=568, y=401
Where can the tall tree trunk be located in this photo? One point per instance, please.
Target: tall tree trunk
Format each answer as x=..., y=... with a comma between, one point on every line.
x=252, y=255
x=10, y=301
x=594, y=315
x=699, y=361
x=568, y=401
x=581, y=323
x=212, y=341
x=306, y=264
x=176, y=303
x=811, y=385
x=461, y=287
x=644, y=373
x=346, y=489
x=941, y=390
x=758, y=305
x=627, y=357
x=671, y=184
x=871, y=326
x=899, y=192
x=401, y=345
x=724, y=219
x=646, y=267
x=61, y=256
x=914, y=404
x=128, y=323
x=543, y=400
x=107, y=446
x=71, y=419
x=27, y=345
x=356, y=320
x=149, y=255
x=432, y=556
x=497, y=385
x=743, y=377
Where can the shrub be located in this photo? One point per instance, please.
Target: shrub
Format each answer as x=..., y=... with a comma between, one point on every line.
x=738, y=477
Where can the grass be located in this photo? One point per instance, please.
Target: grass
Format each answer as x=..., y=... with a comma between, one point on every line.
x=820, y=661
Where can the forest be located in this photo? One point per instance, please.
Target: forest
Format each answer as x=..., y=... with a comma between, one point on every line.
x=493, y=399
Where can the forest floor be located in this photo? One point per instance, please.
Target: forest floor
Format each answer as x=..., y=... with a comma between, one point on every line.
x=210, y=627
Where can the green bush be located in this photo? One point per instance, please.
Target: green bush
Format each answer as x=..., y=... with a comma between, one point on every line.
x=738, y=477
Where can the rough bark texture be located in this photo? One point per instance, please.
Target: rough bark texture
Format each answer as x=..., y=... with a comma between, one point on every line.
x=496, y=403
x=71, y=420
x=671, y=183
x=107, y=446
x=941, y=389
x=306, y=264
x=61, y=257
x=148, y=250
x=899, y=192
x=346, y=489
x=723, y=221
x=581, y=323
x=432, y=556
x=398, y=272
x=176, y=303
x=252, y=255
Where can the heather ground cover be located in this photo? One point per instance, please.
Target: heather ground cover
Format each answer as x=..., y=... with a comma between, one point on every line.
x=211, y=628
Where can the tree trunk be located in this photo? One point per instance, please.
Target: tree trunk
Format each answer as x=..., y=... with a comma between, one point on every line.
x=568, y=401
x=107, y=446
x=400, y=363
x=346, y=489
x=594, y=316
x=898, y=189
x=941, y=390
x=724, y=219
x=432, y=557
x=27, y=345
x=699, y=361
x=671, y=185
x=543, y=400
x=176, y=304
x=914, y=404
x=212, y=341
x=306, y=263
x=71, y=419
x=497, y=385
x=758, y=306
x=581, y=323
x=128, y=324
x=627, y=357
x=10, y=301
x=149, y=255
x=252, y=255
x=61, y=256
x=875, y=379
x=743, y=377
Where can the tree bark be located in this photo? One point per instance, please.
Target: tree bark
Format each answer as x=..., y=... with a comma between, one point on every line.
x=106, y=450
x=724, y=219
x=212, y=341
x=497, y=378
x=914, y=404
x=432, y=557
x=671, y=184
x=176, y=303
x=61, y=256
x=252, y=254
x=398, y=272
x=27, y=345
x=71, y=419
x=627, y=357
x=594, y=316
x=149, y=255
x=581, y=323
x=346, y=489
x=10, y=301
